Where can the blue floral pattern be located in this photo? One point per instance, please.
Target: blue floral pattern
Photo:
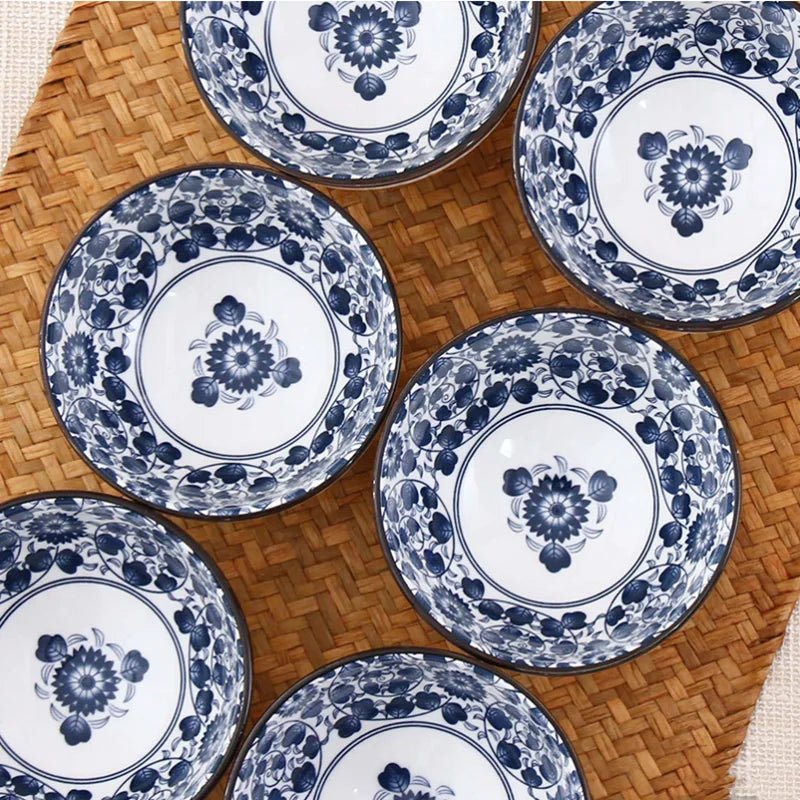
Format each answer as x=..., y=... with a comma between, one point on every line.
x=84, y=680
x=112, y=276
x=365, y=44
x=553, y=507
x=92, y=682
x=294, y=750
x=240, y=363
x=590, y=365
x=693, y=175
x=601, y=62
x=368, y=38
x=397, y=783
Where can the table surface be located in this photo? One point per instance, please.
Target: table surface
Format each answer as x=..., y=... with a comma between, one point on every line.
x=766, y=768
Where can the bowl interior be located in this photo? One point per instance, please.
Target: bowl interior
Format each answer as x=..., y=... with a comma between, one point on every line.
x=126, y=668
x=657, y=156
x=407, y=726
x=557, y=490
x=220, y=342
x=359, y=91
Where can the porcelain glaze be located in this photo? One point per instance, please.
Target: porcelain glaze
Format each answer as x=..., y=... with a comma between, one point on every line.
x=657, y=152
x=556, y=490
x=406, y=726
x=126, y=667
x=220, y=342
x=359, y=93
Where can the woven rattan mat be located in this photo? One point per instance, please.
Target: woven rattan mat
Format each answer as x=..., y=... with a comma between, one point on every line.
x=118, y=105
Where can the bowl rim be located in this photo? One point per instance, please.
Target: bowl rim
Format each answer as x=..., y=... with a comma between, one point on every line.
x=400, y=178
x=605, y=301
x=392, y=292
x=520, y=666
x=465, y=658
x=222, y=582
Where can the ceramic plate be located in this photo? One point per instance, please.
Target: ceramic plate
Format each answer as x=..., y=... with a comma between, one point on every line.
x=220, y=342
x=657, y=153
x=359, y=93
x=126, y=662
x=401, y=725
x=557, y=491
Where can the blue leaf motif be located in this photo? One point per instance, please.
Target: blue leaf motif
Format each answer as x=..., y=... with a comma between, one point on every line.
x=618, y=80
x=666, y=56
x=708, y=33
x=229, y=310
x=322, y=17
x=455, y=105
x=134, y=666
x=369, y=86
x=635, y=592
x=117, y=361
x=51, y=649
x=509, y=755
x=576, y=190
x=737, y=154
x=482, y=44
x=555, y=557
x=167, y=453
x=789, y=101
x=144, y=780
x=779, y=46
x=394, y=778
x=135, y=295
x=517, y=482
x=287, y=372
x=406, y=14
x=687, y=222
x=68, y=561
x=602, y=486
x=135, y=573
x=294, y=123
x=304, y=778
x=75, y=730
x=652, y=146
x=735, y=61
x=254, y=67
x=231, y=473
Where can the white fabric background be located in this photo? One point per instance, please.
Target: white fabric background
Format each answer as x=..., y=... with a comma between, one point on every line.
x=767, y=768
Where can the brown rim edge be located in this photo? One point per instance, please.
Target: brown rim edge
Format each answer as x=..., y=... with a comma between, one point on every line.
x=378, y=651
x=224, y=584
x=605, y=302
x=400, y=179
x=253, y=514
x=519, y=666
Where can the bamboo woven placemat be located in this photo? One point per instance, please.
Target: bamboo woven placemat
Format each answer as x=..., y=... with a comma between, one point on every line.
x=118, y=105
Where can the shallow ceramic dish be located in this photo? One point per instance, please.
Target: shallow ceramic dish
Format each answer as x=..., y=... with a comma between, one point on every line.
x=220, y=342
x=656, y=156
x=126, y=665
x=406, y=725
x=356, y=93
x=556, y=491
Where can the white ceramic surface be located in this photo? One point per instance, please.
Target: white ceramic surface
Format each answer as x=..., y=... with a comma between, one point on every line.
x=126, y=663
x=359, y=93
x=556, y=490
x=657, y=153
x=220, y=342
x=405, y=725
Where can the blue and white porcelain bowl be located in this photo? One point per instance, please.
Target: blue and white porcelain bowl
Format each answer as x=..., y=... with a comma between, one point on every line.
x=126, y=667
x=359, y=93
x=220, y=342
x=657, y=158
x=557, y=491
x=406, y=725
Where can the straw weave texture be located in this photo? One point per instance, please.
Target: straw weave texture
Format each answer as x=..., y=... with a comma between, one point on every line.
x=117, y=105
